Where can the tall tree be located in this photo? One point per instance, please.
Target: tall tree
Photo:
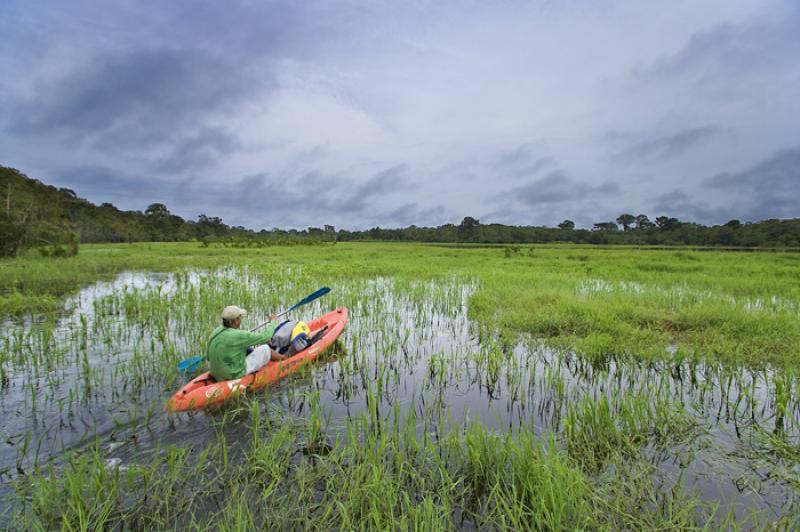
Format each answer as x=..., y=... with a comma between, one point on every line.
x=466, y=229
x=567, y=224
x=211, y=226
x=626, y=220
x=605, y=226
x=666, y=223
x=11, y=236
x=469, y=223
x=643, y=222
x=156, y=210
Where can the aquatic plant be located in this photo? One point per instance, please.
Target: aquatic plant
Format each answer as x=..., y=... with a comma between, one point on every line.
x=551, y=388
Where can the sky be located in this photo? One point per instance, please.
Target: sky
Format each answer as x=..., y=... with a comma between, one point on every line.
x=393, y=113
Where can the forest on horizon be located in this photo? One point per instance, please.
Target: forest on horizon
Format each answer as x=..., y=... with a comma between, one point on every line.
x=57, y=220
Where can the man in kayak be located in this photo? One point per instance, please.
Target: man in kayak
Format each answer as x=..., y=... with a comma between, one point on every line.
x=226, y=350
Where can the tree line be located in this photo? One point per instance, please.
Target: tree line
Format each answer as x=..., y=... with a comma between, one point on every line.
x=54, y=220
x=663, y=231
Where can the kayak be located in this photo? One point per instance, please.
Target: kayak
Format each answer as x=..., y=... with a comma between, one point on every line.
x=204, y=391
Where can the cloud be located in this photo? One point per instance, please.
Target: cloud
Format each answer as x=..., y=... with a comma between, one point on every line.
x=670, y=200
x=264, y=200
x=718, y=54
x=160, y=88
x=524, y=160
x=314, y=197
x=134, y=99
x=383, y=183
x=103, y=184
x=556, y=187
x=767, y=190
x=198, y=151
x=770, y=189
x=691, y=207
x=668, y=146
x=677, y=203
x=298, y=113
x=413, y=214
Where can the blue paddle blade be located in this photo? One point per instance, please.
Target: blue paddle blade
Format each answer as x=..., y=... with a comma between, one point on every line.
x=193, y=367
x=190, y=364
x=309, y=298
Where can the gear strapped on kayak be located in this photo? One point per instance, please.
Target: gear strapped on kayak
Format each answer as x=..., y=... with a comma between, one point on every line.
x=290, y=337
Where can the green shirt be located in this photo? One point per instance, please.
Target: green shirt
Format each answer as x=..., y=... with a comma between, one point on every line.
x=227, y=349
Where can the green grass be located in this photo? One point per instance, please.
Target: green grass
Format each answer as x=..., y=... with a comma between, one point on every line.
x=365, y=481
x=738, y=307
x=637, y=363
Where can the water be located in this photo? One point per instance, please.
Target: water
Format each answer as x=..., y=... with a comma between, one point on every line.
x=101, y=374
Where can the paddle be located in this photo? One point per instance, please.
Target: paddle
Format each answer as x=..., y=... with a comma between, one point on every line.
x=190, y=364
x=308, y=299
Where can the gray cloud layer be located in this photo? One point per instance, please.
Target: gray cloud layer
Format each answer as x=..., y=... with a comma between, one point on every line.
x=295, y=114
x=556, y=187
x=770, y=189
x=666, y=147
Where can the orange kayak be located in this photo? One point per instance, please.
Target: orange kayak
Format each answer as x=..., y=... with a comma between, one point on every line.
x=203, y=391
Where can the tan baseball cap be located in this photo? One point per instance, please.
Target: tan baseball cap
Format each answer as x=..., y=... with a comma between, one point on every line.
x=232, y=312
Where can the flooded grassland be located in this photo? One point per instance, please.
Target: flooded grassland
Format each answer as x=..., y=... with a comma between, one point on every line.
x=472, y=388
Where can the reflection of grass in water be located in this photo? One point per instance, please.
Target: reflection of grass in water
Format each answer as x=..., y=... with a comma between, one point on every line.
x=400, y=459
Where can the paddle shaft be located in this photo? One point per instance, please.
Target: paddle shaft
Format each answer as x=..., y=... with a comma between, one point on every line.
x=306, y=300
x=254, y=329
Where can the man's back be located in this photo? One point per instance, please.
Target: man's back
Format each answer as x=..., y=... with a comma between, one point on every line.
x=227, y=349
